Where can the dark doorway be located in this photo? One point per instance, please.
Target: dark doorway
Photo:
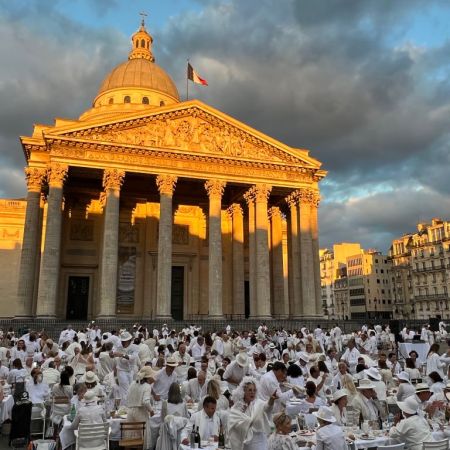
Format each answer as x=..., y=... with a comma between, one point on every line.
x=177, y=295
x=247, y=298
x=77, y=298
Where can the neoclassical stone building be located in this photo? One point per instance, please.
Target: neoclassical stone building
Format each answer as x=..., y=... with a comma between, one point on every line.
x=150, y=207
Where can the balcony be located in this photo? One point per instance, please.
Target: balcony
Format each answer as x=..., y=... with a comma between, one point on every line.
x=431, y=297
x=430, y=269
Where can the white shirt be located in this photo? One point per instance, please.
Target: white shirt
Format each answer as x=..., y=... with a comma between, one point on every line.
x=351, y=358
x=413, y=431
x=330, y=437
x=208, y=426
x=268, y=385
x=163, y=382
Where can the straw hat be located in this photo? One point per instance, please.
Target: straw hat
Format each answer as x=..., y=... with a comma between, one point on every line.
x=326, y=414
x=339, y=394
x=90, y=397
x=125, y=336
x=242, y=359
x=403, y=376
x=90, y=377
x=365, y=384
x=373, y=373
x=422, y=387
x=146, y=372
x=304, y=357
x=409, y=406
x=171, y=362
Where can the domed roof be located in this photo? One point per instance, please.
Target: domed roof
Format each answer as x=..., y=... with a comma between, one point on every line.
x=140, y=73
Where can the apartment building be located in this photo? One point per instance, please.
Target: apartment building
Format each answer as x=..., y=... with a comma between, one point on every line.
x=421, y=270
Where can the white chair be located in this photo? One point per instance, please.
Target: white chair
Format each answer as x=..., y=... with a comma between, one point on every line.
x=391, y=447
x=437, y=445
x=92, y=436
x=38, y=419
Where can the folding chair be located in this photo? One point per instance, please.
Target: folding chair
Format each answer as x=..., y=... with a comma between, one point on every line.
x=391, y=447
x=38, y=419
x=92, y=436
x=132, y=435
x=437, y=445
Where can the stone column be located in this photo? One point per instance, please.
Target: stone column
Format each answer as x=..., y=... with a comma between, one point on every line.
x=237, y=217
x=249, y=197
x=215, y=189
x=112, y=182
x=166, y=186
x=315, y=248
x=280, y=309
x=49, y=274
x=30, y=243
x=262, y=192
x=296, y=304
x=306, y=254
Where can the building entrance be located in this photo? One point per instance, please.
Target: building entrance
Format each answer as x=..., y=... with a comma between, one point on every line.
x=177, y=295
x=77, y=298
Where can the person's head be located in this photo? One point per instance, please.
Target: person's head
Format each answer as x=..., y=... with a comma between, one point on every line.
x=80, y=389
x=225, y=361
x=366, y=388
x=434, y=348
x=351, y=344
x=171, y=364
x=17, y=364
x=342, y=367
x=200, y=340
x=204, y=364
x=310, y=388
x=69, y=370
x=392, y=358
x=174, y=394
x=409, y=363
x=413, y=355
x=340, y=398
x=21, y=344
x=64, y=378
x=285, y=357
x=90, y=379
x=279, y=370
x=209, y=405
x=36, y=374
x=249, y=391
x=213, y=388
x=294, y=371
x=331, y=353
x=435, y=377
x=191, y=373
x=360, y=368
x=314, y=372
x=182, y=349
x=309, y=347
x=282, y=423
x=201, y=377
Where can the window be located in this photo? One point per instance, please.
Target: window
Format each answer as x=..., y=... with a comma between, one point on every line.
x=162, y=103
x=142, y=43
x=111, y=101
x=137, y=44
x=127, y=99
x=378, y=281
x=382, y=271
x=145, y=100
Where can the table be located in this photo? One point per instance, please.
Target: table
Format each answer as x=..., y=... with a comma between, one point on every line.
x=6, y=408
x=422, y=350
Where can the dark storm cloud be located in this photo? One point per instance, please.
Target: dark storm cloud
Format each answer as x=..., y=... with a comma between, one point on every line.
x=334, y=76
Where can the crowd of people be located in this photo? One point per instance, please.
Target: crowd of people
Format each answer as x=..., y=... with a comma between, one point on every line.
x=251, y=387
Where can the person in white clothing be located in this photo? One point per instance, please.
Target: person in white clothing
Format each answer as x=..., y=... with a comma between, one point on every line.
x=329, y=436
x=351, y=356
x=164, y=378
x=89, y=412
x=405, y=388
x=434, y=363
x=280, y=439
x=409, y=427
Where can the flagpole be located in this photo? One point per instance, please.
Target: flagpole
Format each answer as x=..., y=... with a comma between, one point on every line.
x=187, y=81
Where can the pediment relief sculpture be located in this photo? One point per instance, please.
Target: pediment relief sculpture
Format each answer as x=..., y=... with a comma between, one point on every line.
x=192, y=134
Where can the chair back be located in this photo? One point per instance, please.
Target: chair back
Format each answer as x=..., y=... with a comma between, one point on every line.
x=132, y=426
x=391, y=447
x=93, y=435
x=437, y=445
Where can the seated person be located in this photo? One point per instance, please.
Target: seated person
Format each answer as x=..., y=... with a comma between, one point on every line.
x=89, y=412
x=280, y=439
x=329, y=436
x=174, y=405
x=207, y=421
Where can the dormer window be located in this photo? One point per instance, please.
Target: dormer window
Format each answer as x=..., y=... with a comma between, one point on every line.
x=145, y=101
x=127, y=99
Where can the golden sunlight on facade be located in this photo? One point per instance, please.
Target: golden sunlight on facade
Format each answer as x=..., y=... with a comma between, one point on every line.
x=150, y=207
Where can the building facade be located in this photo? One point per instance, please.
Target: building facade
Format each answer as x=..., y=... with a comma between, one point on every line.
x=147, y=206
x=421, y=268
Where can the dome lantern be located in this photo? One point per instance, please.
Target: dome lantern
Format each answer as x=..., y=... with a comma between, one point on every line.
x=141, y=44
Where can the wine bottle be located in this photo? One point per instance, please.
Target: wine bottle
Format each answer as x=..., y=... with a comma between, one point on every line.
x=221, y=436
x=192, y=438
x=197, y=438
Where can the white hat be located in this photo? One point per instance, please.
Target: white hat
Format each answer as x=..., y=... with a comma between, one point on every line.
x=403, y=376
x=409, y=406
x=339, y=394
x=373, y=373
x=422, y=387
x=171, y=362
x=304, y=357
x=365, y=384
x=90, y=396
x=242, y=359
x=325, y=413
x=125, y=336
x=146, y=372
x=90, y=377
x=271, y=345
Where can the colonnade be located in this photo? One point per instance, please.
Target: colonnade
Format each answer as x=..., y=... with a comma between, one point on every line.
x=266, y=263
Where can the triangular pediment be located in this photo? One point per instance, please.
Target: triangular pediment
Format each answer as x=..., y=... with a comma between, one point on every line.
x=191, y=127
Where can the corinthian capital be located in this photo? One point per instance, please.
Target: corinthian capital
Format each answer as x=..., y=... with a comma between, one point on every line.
x=249, y=196
x=113, y=178
x=235, y=210
x=274, y=211
x=57, y=173
x=292, y=199
x=166, y=184
x=262, y=192
x=306, y=196
x=215, y=188
x=34, y=176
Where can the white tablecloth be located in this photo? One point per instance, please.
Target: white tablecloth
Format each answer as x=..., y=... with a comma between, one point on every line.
x=6, y=408
x=422, y=350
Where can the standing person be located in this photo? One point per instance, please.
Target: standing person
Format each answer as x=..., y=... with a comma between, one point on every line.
x=248, y=422
x=126, y=363
x=236, y=370
x=434, y=363
x=164, y=378
x=351, y=356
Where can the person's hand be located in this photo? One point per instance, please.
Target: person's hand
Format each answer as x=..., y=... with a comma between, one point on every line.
x=157, y=397
x=216, y=438
x=397, y=418
x=272, y=398
x=185, y=441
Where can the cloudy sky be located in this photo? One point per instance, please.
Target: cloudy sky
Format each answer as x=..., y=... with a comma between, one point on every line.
x=364, y=84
